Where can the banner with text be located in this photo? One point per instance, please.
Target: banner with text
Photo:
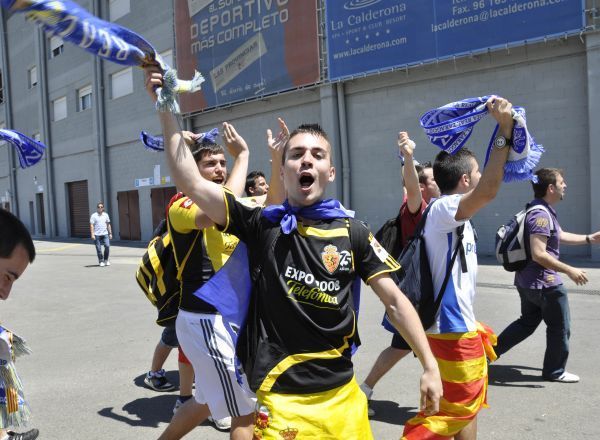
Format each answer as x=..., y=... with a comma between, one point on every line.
x=245, y=48
x=370, y=35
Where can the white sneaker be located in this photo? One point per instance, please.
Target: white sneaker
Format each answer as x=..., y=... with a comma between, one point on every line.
x=567, y=377
x=107, y=263
x=223, y=424
x=102, y=264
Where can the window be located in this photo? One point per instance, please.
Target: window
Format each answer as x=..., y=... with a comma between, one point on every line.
x=84, y=98
x=167, y=57
x=32, y=77
x=59, y=107
x=121, y=83
x=118, y=8
x=56, y=46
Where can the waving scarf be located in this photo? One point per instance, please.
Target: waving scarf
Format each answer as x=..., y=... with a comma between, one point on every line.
x=449, y=127
x=14, y=410
x=29, y=150
x=110, y=41
x=157, y=143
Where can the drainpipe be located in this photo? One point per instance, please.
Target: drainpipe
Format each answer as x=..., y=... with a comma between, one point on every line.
x=44, y=115
x=100, y=117
x=14, y=204
x=344, y=148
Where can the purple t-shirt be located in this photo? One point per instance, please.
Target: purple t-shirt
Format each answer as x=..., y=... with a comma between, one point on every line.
x=534, y=276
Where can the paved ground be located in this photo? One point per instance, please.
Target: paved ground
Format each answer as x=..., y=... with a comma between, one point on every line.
x=92, y=332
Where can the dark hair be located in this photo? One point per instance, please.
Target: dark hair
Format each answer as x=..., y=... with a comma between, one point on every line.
x=14, y=233
x=100, y=203
x=251, y=180
x=449, y=168
x=205, y=148
x=315, y=130
x=545, y=178
x=421, y=171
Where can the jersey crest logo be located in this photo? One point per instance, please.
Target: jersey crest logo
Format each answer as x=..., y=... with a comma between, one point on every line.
x=288, y=433
x=541, y=222
x=331, y=258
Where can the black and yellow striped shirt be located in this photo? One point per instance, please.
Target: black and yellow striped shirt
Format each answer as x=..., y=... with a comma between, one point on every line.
x=302, y=320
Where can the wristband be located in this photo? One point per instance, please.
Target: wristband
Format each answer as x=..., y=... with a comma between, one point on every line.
x=587, y=239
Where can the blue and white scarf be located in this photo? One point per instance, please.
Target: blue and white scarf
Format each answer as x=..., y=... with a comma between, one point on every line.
x=110, y=41
x=450, y=126
x=157, y=143
x=29, y=150
x=286, y=214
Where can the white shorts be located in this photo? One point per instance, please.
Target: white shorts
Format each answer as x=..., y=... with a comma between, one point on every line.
x=209, y=347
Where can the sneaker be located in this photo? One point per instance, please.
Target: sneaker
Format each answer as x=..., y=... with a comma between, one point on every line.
x=102, y=264
x=158, y=382
x=223, y=424
x=29, y=435
x=107, y=263
x=368, y=393
x=566, y=377
x=180, y=402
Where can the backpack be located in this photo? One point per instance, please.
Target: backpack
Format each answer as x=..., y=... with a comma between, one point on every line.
x=512, y=240
x=390, y=236
x=158, y=274
x=414, y=277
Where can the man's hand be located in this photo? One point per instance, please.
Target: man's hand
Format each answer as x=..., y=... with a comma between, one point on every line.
x=234, y=143
x=595, y=237
x=93, y=237
x=431, y=391
x=406, y=147
x=578, y=276
x=153, y=80
x=501, y=111
x=277, y=143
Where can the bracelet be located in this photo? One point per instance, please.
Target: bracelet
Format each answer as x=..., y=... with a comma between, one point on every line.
x=587, y=239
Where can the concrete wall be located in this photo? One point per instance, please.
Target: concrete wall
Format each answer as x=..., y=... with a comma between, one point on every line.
x=557, y=82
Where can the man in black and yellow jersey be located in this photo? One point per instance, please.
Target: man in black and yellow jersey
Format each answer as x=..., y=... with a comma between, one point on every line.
x=305, y=256
x=200, y=250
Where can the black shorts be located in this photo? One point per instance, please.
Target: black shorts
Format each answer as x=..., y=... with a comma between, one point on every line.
x=399, y=343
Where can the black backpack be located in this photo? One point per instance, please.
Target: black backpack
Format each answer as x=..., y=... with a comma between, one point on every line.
x=512, y=240
x=390, y=236
x=414, y=277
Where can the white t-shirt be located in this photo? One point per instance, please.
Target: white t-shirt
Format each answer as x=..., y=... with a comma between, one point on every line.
x=100, y=222
x=455, y=314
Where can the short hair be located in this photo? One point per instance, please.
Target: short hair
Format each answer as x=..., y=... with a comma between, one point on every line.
x=14, y=233
x=449, y=168
x=205, y=148
x=545, y=178
x=421, y=171
x=315, y=130
x=251, y=180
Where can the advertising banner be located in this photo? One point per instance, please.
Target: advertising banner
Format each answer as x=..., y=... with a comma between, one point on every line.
x=245, y=48
x=369, y=35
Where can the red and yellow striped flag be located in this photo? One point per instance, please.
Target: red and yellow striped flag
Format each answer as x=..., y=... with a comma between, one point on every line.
x=462, y=361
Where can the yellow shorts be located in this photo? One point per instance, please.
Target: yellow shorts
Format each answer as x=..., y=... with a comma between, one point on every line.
x=340, y=413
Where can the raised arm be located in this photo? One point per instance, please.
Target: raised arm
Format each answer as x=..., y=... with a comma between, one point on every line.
x=206, y=194
x=406, y=148
x=237, y=147
x=492, y=175
x=404, y=317
x=276, y=193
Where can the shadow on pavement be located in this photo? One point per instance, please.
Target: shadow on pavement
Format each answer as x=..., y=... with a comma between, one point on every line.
x=145, y=411
x=515, y=376
x=387, y=411
x=172, y=376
